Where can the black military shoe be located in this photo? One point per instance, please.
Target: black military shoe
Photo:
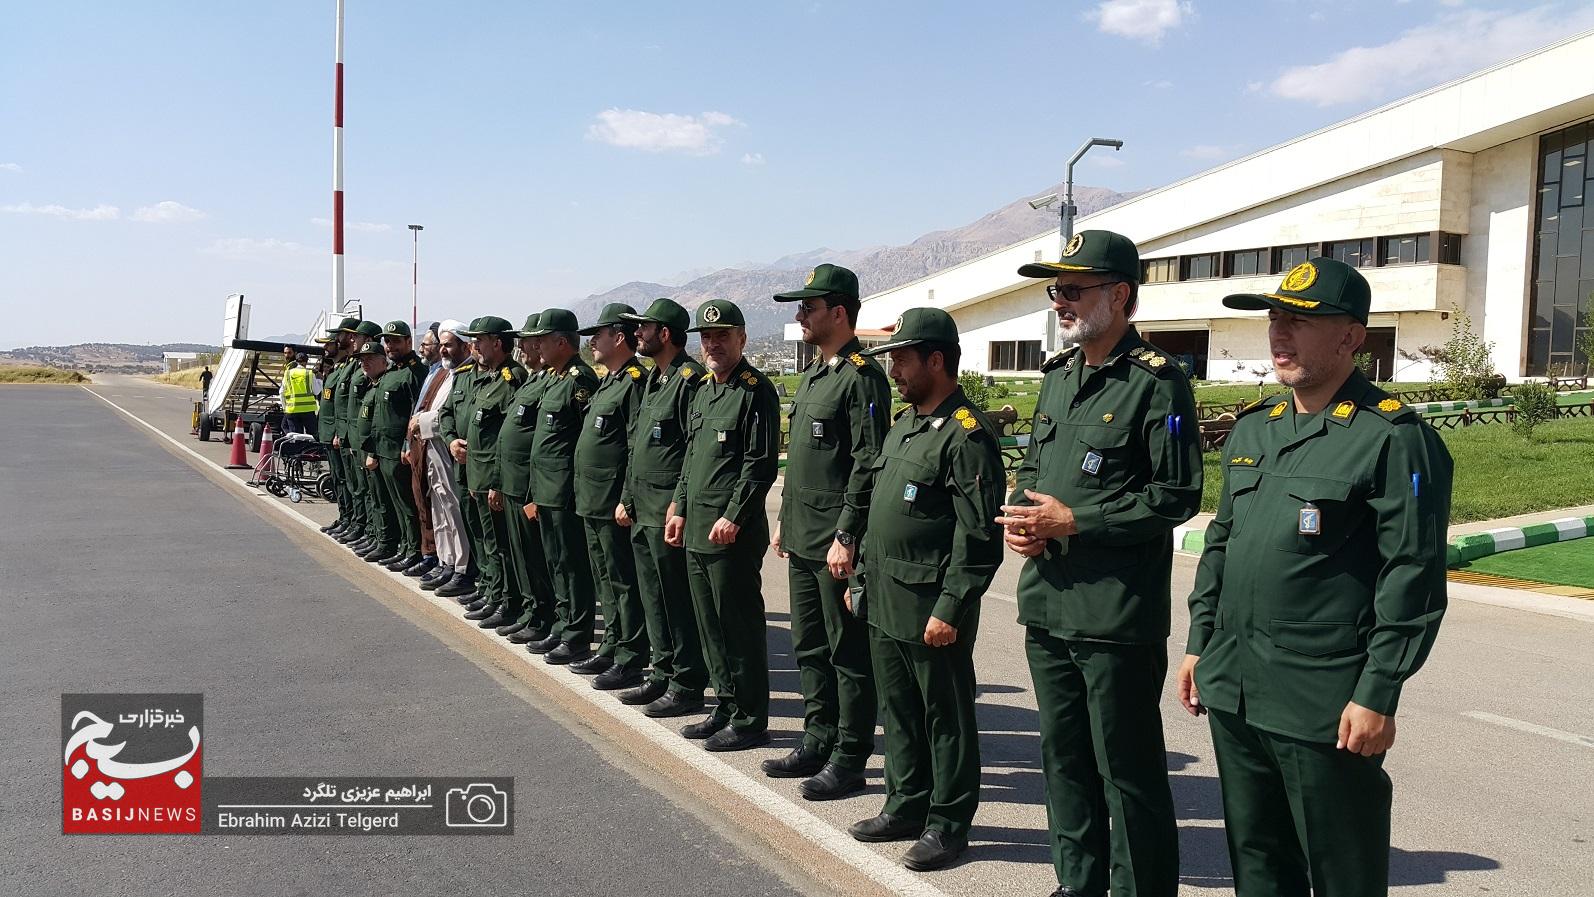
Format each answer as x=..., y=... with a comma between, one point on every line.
x=646, y=693
x=935, y=849
x=733, y=739
x=381, y=559
x=886, y=827
x=332, y=526
x=473, y=604
x=831, y=783
x=1066, y=891
x=481, y=613
x=374, y=551
x=567, y=652
x=707, y=726
x=435, y=579
x=361, y=546
x=617, y=677
x=348, y=536
x=527, y=635
x=459, y=585
x=545, y=645
x=675, y=703
x=511, y=628
x=492, y=620
x=592, y=666
x=421, y=568
x=799, y=764
x=403, y=563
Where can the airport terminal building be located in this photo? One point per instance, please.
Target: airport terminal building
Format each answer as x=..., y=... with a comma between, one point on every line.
x=1467, y=197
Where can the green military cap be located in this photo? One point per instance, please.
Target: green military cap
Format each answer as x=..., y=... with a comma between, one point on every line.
x=370, y=347
x=919, y=325
x=664, y=311
x=396, y=328
x=369, y=330
x=1320, y=286
x=346, y=325
x=323, y=340
x=487, y=324
x=1095, y=251
x=825, y=280
x=718, y=314
x=613, y=315
x=530, y=325
x=555, y=320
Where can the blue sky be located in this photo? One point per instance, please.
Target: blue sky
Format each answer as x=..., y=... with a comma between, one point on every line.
x=156, y=157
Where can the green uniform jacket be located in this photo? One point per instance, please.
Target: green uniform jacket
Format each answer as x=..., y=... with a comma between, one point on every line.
x=514, y=440
x=1104, y=444
x=933, y=545
x=1323, y=576
x=658, y=446
x=490, y=400
x=561, y=412
x=732, y=457
x=397, y=392
x=345, y=404
x=603, y=445
x=364, y=432
x=326, y=420
x=354, y=393
x=839, y=417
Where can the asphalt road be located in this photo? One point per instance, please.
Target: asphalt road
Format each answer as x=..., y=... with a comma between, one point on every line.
x=297, y=647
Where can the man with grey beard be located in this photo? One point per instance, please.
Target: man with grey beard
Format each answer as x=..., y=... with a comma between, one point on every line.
x=1113, y=466
x=448, y=522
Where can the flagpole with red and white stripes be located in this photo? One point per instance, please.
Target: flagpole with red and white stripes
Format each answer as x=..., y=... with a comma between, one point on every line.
x=337, y=169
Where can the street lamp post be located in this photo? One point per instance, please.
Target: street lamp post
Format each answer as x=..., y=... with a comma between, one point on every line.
x=415, y=274
x=1065, y=227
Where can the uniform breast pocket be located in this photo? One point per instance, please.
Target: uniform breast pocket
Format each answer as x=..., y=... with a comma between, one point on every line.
x=1243, y=485
x=605, y=420
x=818, y=422
x=662, y=428
x=1322, y=513
x=725, y=432
x=923, y=496
x=1104, y=457
x=524, y=417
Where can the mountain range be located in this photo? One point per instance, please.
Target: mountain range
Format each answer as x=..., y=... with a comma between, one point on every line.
x=878, y=267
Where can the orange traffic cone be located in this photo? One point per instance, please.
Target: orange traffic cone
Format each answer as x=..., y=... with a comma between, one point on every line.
x=240, y=448
x=266, y=444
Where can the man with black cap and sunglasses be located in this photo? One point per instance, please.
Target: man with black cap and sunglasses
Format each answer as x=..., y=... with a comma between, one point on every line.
x=1319, y=594
x=839, y=417
x=340, y=351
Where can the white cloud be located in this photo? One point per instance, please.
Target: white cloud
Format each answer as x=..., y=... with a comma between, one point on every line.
x=363, y=226
x=1101, y=160
x=753, y=159
x=655, y=132
x=1161, y=84
x=256, y=247
x=98, y=213
x=10, y=166
x=1452, y=45
x=1142, y=20
x=1209, y=152
x=167, y=212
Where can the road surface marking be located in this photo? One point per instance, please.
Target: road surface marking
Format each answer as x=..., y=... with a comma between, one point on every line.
x=1534, y=728
x=811, y=828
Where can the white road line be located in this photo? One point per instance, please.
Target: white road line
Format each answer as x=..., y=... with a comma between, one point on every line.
x=811, y=828
x=1534, y=728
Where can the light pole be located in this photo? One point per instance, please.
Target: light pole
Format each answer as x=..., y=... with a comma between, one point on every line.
x=1065, y=227
x=415, y=274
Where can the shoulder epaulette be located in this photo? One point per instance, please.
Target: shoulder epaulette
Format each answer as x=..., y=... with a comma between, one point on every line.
x=1058, y=359
x=858, y=360
x=466, y=367
x=1390, y=408
x=1151, y=360
x=901, y=411
x=966, y=419
x=635, y=370
x=1259, y=404
x=687, y=371
x=750, y=378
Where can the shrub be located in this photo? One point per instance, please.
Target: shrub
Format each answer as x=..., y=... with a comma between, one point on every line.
x=1534, y=404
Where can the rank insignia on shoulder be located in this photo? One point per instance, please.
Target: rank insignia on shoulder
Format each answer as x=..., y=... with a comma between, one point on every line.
x=635, y=373
x=1389, y=405
x=1344, y=410
x=970, y=423
x=509, y=375
x=961, y=414
x=1278, y=411
x=686, y=371
x=857, y=359
x=1156, y=361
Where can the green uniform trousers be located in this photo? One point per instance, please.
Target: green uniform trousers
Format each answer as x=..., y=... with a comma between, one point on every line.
x=527, y=566
x=1108, y=803
x=565, y=546
x=340, y=479
x=728, y=598
x=397, y=480
x=355, y=484
x=831, y=648
x=376, y=523
x=467, y=513
x=666, y=593
x=932, y=737
x=1301, y=817
x=625, y=635
x=492, y=580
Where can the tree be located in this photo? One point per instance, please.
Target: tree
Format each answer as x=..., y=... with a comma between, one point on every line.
x=1465, y=363
x=1533, y=404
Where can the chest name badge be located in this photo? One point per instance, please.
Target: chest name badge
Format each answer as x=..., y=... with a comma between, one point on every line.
x=719, y=435
x=658, y=431
x=818, y=429
x=1092, y=464
x=550, y=417
x=1311, y=521
x=520, y=412
x=597, y=422
x=479, y=415
x=910, y=492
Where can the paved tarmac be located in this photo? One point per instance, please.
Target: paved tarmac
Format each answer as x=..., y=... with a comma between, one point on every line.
x=1496, y=740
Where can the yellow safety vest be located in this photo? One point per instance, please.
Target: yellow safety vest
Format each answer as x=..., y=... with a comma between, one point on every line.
x=300, y=398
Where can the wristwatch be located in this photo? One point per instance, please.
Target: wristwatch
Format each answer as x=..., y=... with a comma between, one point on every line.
x=844, y=537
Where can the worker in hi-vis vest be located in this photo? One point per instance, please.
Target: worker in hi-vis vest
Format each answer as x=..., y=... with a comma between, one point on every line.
x=298, y=397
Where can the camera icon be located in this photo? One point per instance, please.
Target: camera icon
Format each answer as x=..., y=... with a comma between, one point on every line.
x=478, y=805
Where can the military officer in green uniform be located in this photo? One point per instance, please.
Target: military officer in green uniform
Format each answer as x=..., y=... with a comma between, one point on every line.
x=373, y=365
x=452, y=421
x=1319, y=593
x=677, y=675
x=397, y=392
x=561, y=413
x=498, y=376
x=523, y=556
x=1112, y=467
x=602, y=449
x=931, y=551
x=340, y=351
x=839, y=418
x=717, y=515
x=353, y=394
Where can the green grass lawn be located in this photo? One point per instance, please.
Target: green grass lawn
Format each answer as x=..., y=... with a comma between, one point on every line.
x=1498, y=474
x=1563, y=563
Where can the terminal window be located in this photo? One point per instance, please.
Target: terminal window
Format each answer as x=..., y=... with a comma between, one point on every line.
x=1015, y=355
x=1563, y=259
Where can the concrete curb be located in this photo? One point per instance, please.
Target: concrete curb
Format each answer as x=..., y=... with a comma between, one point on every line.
x=1470, y=547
